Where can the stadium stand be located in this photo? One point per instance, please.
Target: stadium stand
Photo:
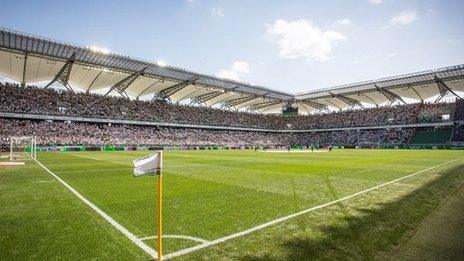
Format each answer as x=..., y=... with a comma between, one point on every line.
x=459, y=112
x=70, y=133
x=66, y=133
x=458, y=130
x=38, y=101
x=458, y=135
x=33, y=100
x=433, y=112
x=108, y=98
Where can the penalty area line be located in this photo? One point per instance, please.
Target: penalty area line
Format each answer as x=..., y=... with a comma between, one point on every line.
x=285, y=218
x=109, y=219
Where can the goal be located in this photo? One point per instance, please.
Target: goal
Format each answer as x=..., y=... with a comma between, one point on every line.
x=15, y=148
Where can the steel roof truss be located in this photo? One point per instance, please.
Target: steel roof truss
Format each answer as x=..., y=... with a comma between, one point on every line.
x=202, y=99
x=238, y=101
x=444, y=89
x=168, y=92
x=123, y=84
x=391, y=96
x=23, y=81
x=63, y=74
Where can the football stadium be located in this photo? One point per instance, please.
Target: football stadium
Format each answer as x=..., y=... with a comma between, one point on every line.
x=106, y=156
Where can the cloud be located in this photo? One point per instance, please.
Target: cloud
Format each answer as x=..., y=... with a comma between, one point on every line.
x=375, y=2
x=301, y=39
x=217, y=11
x=161, y=63
x=403, y=18
x=241, y=67
x=238, y=68
x=344, y=21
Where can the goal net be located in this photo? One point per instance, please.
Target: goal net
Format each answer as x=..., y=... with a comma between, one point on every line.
x=15, y=148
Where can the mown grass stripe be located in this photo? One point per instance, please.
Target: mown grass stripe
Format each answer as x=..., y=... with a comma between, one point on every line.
x=282, y=219
x=109, y=219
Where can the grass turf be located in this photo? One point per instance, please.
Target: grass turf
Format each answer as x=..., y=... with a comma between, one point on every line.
x=210, y=194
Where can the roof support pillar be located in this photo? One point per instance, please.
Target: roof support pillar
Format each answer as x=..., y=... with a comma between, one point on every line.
x=444, y=89
x=23, y=81
x=391, y=96
x=202, y=99
x=165, y=94
x=94, y=79
x=63, y=74
x=123, y=84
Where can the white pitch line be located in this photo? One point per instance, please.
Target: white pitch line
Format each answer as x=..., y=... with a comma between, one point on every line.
x=44, y=181
x=282, y=219
x=110, y=220
x=196, y=239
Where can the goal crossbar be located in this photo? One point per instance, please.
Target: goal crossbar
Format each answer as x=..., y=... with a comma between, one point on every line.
x=29, y=145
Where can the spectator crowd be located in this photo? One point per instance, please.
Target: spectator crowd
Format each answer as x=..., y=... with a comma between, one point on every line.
x=71, y=133
x=33, y=100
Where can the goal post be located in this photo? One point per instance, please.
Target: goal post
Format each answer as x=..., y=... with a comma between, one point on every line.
x=20, y=145
x=33, y=148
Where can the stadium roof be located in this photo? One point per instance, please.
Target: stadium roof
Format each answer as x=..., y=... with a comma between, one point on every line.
x=29, y=59
x=418, y=86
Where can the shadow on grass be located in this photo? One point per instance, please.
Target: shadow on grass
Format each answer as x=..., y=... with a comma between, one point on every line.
x=373, y=230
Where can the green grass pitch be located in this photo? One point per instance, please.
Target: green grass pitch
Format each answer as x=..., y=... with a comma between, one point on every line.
x=212, y=194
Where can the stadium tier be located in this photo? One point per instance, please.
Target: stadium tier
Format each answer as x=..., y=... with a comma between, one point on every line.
x=66, y=118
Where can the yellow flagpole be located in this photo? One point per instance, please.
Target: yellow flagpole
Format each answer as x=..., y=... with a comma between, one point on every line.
x=159, y=208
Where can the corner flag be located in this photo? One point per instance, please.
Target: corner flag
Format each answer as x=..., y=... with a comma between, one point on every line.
x=153, y=164
x=150, y=164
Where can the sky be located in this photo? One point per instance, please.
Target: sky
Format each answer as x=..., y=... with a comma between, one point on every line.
x=291, y=46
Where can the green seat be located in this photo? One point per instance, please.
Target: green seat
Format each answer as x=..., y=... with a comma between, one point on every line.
x=432, y=137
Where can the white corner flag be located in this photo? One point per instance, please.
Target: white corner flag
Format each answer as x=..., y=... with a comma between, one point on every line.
x=150, y=164
x=153, y=164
